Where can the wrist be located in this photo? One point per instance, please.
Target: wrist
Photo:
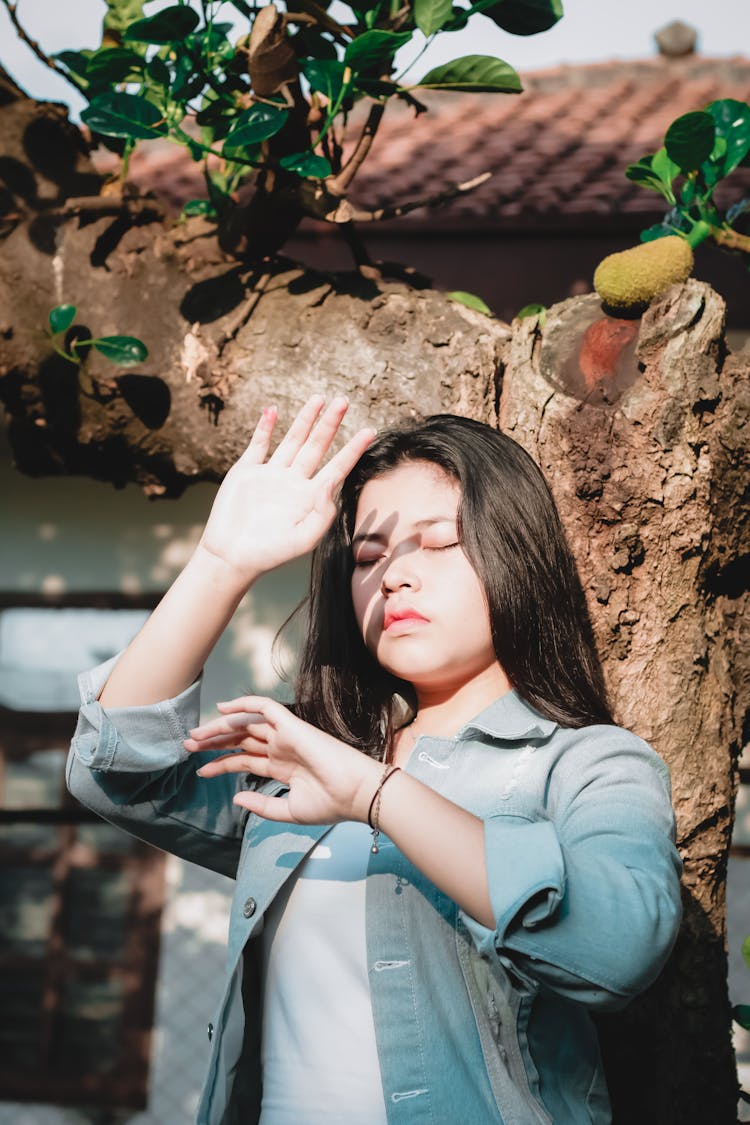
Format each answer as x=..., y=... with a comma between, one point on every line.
x=219, y=573
x=369, y=780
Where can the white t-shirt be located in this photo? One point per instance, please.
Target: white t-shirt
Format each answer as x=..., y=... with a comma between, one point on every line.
x=320, y=1061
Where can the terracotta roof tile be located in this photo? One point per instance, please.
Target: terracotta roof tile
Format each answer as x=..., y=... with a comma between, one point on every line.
x=557, y=152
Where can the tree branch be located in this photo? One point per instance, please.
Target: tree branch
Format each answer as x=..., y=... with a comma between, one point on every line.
x=341, y=31
x=395, y=211
x=102, y=205
x=339, y=185
x=24, y=36
x=732, y=240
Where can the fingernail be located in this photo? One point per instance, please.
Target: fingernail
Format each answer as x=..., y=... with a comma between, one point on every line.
x=200, y=772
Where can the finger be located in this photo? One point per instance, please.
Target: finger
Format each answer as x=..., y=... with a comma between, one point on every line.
x=236, y=720
x=226, y=742
x=256, y=707
x=257, y=764
x=298, y=432
x=271, y=808
x=320, y=440
x=344, y=461
x=260, y=442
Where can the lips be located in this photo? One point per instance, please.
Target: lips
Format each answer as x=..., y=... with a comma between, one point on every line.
x=401, y=617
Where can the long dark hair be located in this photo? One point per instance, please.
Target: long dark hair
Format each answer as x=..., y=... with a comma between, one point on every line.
x=511, y=533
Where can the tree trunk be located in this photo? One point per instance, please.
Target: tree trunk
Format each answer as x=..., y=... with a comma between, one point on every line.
x=642, y=430
x=640, y=426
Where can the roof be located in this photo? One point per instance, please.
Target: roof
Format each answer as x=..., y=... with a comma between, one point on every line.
x=557, y=152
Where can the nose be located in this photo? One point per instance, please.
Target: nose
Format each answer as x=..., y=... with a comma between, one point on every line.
x=400, y=574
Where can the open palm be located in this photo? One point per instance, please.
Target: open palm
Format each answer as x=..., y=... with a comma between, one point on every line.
x=272, y=509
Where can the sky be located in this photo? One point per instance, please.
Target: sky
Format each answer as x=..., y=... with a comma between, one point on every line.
x=590, y=31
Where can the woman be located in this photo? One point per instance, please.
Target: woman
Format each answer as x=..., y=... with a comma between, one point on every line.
x=446, y=854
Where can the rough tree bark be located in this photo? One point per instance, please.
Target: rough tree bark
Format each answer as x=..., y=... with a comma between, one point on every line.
x=641, y=427
x=642, y=430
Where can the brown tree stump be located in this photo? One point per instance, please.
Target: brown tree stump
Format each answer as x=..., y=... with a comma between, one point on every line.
x=642, y=430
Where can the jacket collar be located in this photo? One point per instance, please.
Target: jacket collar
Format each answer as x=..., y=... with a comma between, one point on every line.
x=509, y=718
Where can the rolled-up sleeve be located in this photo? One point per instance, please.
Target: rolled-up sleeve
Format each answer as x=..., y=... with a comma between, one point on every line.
x=128, y=765
x=585, y=891
x=132, y=739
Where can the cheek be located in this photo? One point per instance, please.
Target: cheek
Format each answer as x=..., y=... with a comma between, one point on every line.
x=470, y=598
x=361, y=601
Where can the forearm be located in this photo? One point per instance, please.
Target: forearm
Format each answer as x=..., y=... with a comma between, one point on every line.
x=170, y=650
x=442, y=839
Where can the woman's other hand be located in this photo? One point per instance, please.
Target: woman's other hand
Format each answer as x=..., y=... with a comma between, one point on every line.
x=328, y=781
x=269, y=510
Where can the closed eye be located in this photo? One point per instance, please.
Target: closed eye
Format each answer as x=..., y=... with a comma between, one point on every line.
x=443, y=547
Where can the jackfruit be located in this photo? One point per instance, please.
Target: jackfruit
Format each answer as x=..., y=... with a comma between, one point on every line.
x=634, y=277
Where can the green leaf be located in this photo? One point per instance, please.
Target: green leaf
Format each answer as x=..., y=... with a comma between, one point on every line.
x=124, y=115
x=746, y=951
x=690, y=140
x=741, y=1015
x=158, y=71
x=658, y=230
x=307, y=164
x=374, y=48
x=688, y=191
x=213, y=40
x=310, y=43
x=431, y=15
x=324, y=75
x=75, y=61
x=114, y=64
x=664, y=167
x=167, y=26
x=215, y=117
x=363, y=6
x=474, y=73
x=539, y=311
x=471, y=301
x=642, y=173
x=256, y=124
x=526, y=17
x=376, y=87
x=218, y=191
x=126, y=351
x=732, y=123
x=61, y=318
x=199, y=207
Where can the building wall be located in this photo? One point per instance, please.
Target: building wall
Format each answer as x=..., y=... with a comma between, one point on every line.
x=71, y=535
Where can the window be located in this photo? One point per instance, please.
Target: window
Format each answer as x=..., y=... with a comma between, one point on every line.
x=80, y=900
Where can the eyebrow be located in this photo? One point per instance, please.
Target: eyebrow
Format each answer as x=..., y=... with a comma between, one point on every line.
x=380, y=537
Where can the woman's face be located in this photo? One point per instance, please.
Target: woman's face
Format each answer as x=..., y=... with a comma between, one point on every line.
x=418, y=601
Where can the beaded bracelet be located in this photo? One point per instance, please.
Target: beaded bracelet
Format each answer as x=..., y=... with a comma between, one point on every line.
x=373, y=813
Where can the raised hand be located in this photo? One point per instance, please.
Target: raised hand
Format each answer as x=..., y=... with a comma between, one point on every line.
x=272, y=509
x=328, y=781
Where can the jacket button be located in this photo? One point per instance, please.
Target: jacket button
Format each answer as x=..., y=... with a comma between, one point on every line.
x=249, y=908
x=210, y=1032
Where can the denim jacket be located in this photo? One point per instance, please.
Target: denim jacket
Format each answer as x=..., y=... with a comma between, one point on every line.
x=489, y=1026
